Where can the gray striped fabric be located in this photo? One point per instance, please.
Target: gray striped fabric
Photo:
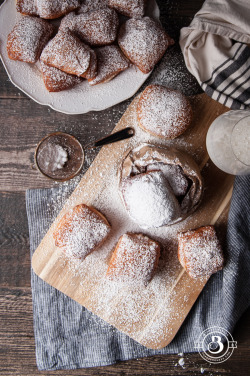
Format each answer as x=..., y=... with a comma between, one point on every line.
x=229, y=83
x=68, y=336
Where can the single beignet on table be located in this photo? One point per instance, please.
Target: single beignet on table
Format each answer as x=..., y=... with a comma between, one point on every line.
x=48, y=9
x=97, y=28
x=67, y=53
x=159, y=186
x=28, y=38
x=81, y=231
x=163, y=112
x=111, y=62
x=144, y=42
x=129, y=8
x=135, y=259
x=199, y=252
x=56, y=80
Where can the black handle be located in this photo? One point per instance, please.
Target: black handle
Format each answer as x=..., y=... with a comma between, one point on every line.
x=114, y=137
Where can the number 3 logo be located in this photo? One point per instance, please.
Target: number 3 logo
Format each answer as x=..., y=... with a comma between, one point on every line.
x=216, y=346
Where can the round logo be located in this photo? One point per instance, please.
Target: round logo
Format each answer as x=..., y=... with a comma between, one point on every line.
x=215, y=344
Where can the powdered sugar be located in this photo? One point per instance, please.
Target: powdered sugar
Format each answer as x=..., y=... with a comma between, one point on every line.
x=150, y=200
x=175, y=177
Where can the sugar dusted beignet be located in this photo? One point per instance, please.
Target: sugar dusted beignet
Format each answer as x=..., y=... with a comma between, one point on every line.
x=143, y=42
x=130, y=8
x=81, y=231
x=89, y=5
x=134, y=259
x=111, y=62
x=48, y=9
x=28, y=38
x=97, y=28
x=66, y=52
x=199, y=252
x=164, y=112
x=57, y=80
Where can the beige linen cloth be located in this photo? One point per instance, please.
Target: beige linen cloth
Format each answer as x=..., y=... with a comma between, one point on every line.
x=216, y=51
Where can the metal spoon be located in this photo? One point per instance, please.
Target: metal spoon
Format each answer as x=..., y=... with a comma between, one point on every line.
x=52, y=149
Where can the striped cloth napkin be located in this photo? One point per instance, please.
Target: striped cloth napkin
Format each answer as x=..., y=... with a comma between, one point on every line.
x=216, y=51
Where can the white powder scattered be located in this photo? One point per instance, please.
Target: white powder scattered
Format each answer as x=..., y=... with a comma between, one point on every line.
x=181, y=362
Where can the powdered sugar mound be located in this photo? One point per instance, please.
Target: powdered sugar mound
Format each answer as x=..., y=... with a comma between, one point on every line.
x=134, y=260
x=174, y=176
x=150, y=201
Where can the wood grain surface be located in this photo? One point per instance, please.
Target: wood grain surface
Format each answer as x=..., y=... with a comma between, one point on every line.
x=22, y=124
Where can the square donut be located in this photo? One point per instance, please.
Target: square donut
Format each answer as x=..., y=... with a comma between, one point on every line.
x=129, y=8
x=111, y=62
x=143, y=42
x=66, y=52
x=81, y=231
x=199, y=252
x=134, y=259
x=28, y=38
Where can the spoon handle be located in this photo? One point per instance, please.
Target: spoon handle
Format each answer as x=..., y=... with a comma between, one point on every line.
x=114, y=137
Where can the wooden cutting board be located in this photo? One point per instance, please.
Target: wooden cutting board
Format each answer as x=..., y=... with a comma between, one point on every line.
x=151, y=315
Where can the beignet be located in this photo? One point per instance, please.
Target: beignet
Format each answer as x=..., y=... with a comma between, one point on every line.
x=130, y=8
x=96, y=28
x=143, y=42
x=199, y=252
x=134, y=259
x=159, y=186
x=56, y=80
x=81, y=231
x=28, y=38
x=67, y=53
x=163, y=112
x=90, y=5
x=48, y=9
x=111, y=62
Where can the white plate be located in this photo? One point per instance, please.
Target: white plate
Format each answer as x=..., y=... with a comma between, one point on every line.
x=80, y=99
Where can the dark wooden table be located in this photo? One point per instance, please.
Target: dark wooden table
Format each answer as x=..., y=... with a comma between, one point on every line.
x=22, y=124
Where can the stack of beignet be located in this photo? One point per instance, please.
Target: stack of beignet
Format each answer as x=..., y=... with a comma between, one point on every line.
x=89, y=43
